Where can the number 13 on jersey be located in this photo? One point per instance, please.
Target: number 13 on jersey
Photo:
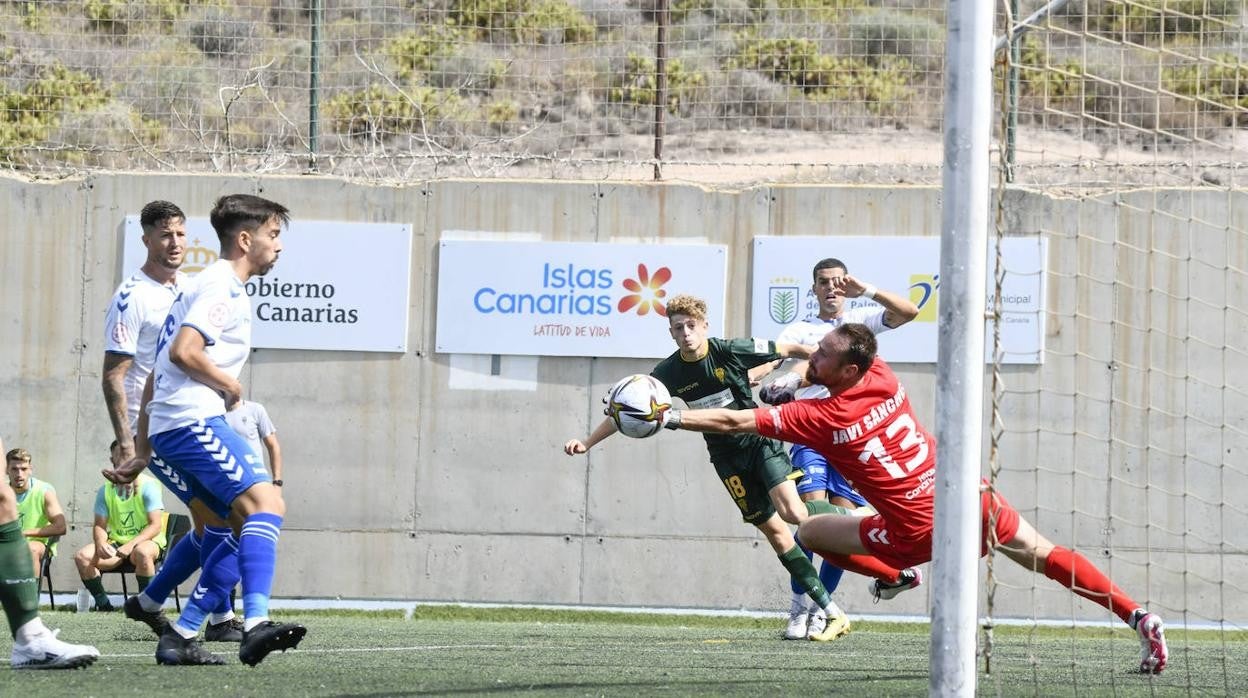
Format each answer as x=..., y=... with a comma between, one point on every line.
x=877, y=451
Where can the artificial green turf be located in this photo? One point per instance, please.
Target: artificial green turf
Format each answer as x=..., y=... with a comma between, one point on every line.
x=444, y=651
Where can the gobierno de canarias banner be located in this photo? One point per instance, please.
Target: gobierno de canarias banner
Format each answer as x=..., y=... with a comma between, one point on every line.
x=570, y=299
x=909, y=266
x=336, y=286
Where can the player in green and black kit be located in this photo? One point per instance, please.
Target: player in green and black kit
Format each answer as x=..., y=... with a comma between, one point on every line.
x=711, y=372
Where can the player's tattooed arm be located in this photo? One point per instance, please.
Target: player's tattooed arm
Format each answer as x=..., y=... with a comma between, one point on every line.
x=113, y=384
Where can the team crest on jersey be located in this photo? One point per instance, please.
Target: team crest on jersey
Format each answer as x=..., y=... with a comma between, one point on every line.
x=719, y=375
x=219, y=314
x=121, y=335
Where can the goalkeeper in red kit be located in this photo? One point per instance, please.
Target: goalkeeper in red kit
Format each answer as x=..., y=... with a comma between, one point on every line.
x=867, y=428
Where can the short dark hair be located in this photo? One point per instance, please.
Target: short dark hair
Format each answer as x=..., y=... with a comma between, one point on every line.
x=157, y=211
x=828, y=263
x=235, y=212
x=862, y=344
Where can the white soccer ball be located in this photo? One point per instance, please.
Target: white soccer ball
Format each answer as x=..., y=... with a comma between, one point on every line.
x=637, y=403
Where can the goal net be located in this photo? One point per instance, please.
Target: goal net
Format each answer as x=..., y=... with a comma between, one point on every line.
x=1127, y=118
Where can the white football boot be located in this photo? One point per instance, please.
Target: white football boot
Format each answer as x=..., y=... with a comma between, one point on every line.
x=798, y=619
x=45, y=651
x=1153, y=650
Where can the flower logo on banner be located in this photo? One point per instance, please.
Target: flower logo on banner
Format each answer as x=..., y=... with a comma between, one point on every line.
x=646, y=291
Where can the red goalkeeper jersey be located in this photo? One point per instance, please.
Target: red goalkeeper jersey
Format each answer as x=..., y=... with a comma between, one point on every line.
x=870, y=435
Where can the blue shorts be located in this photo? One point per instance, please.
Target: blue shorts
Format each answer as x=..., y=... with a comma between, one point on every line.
x=818, y=476
x=207, y=461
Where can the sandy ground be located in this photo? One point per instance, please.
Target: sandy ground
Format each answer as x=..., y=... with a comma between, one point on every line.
x=748, y=157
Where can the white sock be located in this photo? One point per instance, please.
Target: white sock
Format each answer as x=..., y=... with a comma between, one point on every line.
x=833, y=610
x=800, y=602
x=148, y=604
x=250, y=623
x=30, y=630
x=188, y=634
x=219, y=618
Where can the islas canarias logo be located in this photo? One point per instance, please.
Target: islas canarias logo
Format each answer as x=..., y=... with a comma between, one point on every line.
x=924, y=289
x=646, y=291
x=568, y=289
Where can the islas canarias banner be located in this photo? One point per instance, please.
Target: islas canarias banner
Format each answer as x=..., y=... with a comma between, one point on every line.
x=570, y=299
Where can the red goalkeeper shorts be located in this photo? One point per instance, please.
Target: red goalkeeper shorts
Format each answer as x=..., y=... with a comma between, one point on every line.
x=874, y=534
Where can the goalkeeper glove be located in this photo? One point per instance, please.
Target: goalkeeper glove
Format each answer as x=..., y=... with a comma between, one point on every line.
x=672, y=419
x=781, y=390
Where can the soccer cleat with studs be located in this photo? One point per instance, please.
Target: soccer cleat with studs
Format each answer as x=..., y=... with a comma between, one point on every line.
x=1153, y=650
x=175, y=650
x=46, y=651
x=226, y=631
x=909, y=578
x=269, y=637
x=155, y=620
x=825, y=629
x=798, y=621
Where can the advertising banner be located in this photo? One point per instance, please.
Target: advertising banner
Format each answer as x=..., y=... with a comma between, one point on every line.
x=909, y=266
x=337, y=285
x=570, y=299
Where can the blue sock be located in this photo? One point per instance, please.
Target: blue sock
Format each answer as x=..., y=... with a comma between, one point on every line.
x=830, y=575
x=257, y=556
x=180, y=563
x=213, y=537
x=797, y=588
x=219, y=576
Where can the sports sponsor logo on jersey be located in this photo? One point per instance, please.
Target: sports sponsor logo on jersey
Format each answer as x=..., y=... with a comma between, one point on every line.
x=774, y=413
x=721, y=399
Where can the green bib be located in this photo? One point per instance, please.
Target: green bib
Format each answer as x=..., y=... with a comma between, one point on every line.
x=31, y=510
x=127, y=517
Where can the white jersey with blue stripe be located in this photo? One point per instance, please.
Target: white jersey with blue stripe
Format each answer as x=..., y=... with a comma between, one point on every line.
x=218, y=308
x=132, y=326
x=812, y=329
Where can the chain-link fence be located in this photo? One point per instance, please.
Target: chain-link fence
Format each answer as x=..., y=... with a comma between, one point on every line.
x=733, y=90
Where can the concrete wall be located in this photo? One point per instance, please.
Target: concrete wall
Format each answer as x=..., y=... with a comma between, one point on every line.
x=406, y=481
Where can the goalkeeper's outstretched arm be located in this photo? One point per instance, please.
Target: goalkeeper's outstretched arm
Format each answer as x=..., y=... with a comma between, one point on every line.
x=718, y=420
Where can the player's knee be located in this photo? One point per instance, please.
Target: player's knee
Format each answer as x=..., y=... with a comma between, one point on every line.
x=793, y=514
x=261, y=498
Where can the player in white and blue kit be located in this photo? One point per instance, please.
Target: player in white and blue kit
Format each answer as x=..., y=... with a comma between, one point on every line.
x=203, y=345
x=136, y=313
x=832, y=286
